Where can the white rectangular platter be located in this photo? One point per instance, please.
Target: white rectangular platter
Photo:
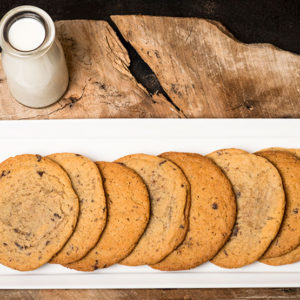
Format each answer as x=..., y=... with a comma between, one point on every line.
x=109, y=139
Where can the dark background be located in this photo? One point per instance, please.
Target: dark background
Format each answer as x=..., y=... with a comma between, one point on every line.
x=272, y=21
x=251, y=21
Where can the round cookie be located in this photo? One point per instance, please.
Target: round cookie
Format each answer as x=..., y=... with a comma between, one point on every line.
x=212, y=212
x=38, y=211
x=128, y=209
x=260, y=206
x=87, y=183
x=169, y=193
x=294, y=255
x=288, y=237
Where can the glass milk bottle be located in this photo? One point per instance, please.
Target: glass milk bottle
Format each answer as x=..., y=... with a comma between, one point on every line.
x=32, y=57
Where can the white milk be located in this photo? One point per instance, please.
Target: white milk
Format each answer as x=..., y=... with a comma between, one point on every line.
x=32, y=57
x=26, y=34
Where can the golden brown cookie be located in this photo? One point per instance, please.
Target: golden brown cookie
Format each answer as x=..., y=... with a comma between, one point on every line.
x=260, y=206
x=87, y=183
x=288, y=258
x=294, y=255
x=128, y=215
x=288, y=237
x=290, y=150
x=212, y=212
x=38, y=211
x=228, y=151
x=170, y=197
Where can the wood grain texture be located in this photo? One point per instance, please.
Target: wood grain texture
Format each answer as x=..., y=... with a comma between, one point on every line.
x=101, y=86
x=208, y=73
x=149, y=294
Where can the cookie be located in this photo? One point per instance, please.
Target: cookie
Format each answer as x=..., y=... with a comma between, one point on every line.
x=260, y=206
x=288, y=237
x=87, y=183
x=169, y=201
x=294, y=255
x=38, y=211
x=212, y=212
x=228, y=151
x=288, y=258
x=128, y=215
x=291, y=150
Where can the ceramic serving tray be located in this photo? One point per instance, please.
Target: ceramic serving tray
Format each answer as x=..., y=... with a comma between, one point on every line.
x=109, y=139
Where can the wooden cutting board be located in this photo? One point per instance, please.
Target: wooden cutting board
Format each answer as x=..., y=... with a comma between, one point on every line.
x=101, y=85
x=208, y=73
x=204, y=70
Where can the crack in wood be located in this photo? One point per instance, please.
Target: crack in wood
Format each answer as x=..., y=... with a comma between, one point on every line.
x=141, y=71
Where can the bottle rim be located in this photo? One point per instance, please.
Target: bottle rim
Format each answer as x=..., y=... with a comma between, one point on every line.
x=26, y=11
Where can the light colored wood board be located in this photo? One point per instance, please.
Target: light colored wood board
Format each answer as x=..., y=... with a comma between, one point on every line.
x=208, y=73
x=101, y=85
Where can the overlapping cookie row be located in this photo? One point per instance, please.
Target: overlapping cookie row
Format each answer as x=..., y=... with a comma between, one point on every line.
x=174, y=211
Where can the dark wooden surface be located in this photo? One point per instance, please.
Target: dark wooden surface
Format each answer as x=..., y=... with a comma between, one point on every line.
x=147, y=294
x=271, y=21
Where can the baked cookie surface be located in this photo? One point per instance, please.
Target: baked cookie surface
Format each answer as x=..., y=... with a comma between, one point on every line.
x=169, y=193
x=260, y=206
x=128, y=210
x=288, y=237
x=87, y=183
x=294, y=255
x=288, y=258
x=212, y=212
x=38, y=211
